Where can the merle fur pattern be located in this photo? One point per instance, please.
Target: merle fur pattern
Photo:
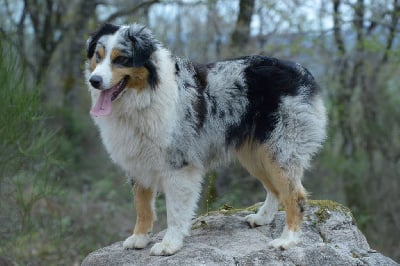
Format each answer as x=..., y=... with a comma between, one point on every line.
x=232, y=101
x=192, y=117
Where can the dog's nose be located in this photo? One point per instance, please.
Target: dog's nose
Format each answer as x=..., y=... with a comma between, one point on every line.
x=96, y=81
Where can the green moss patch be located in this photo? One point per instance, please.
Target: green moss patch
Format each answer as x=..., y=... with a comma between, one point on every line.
x=326, y=207
x=229, y=210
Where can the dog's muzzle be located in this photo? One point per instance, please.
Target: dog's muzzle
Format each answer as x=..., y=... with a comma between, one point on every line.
x=96, y=81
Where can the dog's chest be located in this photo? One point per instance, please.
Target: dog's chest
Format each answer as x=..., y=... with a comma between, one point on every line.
x=138, y=151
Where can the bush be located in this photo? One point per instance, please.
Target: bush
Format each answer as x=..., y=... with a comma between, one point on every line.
x=28, y=169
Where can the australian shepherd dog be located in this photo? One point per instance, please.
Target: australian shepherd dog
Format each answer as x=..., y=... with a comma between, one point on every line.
x=166, y=120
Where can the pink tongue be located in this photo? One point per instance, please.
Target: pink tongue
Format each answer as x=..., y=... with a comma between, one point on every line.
x=103, y=104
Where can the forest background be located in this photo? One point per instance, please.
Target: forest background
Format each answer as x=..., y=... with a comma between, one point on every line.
x=61, y=197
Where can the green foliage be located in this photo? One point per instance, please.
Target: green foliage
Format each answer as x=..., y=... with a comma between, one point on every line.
x=211, y=191
x=55, y=191
x=40, y=156
x=20, y=119
x=28, y=169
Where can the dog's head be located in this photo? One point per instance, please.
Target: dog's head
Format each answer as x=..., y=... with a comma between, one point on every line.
x=119, y=59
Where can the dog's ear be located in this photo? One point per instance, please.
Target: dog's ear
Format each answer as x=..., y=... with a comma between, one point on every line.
x=143, y=44
x=105, y=29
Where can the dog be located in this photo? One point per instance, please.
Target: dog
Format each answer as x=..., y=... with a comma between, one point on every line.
x=166, y=120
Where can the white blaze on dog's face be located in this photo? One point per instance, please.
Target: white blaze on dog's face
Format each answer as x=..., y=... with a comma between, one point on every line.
x=119, y=59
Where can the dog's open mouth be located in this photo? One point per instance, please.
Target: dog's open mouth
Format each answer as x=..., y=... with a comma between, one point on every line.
x=103, y=105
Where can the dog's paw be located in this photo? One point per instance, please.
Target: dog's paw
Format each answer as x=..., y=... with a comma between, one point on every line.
x=255, y=220
x=136, y=241
x=286, y=241
x=165, y=248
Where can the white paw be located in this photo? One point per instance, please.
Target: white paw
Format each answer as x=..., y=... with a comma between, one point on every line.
x=281, y=243
x=257, y=220
x=136, y=241
x=165, y=248
x=287, y=240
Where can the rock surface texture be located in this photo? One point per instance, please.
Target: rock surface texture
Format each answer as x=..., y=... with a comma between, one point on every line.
x=330, y=237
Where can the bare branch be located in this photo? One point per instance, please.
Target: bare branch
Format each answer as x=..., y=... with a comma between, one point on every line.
x=131, y=10
x=10, y=15
x=33, y=12
x=147, y=4
x=392, y=30
x=337, y=27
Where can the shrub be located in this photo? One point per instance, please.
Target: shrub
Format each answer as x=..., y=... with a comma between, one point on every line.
x=28, y=169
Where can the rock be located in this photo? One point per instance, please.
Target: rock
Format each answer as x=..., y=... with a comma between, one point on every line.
x=330, y=237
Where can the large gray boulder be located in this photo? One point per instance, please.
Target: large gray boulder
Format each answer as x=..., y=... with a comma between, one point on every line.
x=330, y=237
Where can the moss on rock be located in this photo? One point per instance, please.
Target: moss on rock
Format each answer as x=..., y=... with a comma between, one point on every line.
x=323, y=213
x=326, y=206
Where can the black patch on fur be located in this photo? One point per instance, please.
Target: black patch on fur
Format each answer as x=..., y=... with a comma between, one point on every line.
x=213, y=102
x=302, y=206
x=153, y=78
x=123, y=61
x=200, y=106
x=200, y=76
x=267, y=79
x=143, y=46
x=106, y=29
x=177, y=159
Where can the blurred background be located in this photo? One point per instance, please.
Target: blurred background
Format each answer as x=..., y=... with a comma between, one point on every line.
x=61, y=197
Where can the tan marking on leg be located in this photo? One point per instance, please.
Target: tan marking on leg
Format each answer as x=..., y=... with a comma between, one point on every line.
x=144, y=209
x=250, y=156
x=291, y=192
x=294, y=214
x=256, y=158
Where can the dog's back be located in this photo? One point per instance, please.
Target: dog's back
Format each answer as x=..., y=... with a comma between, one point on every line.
x=254, y=98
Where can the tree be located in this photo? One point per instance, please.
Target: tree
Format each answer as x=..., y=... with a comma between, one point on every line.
x=44, y=26
x=241, y=34
x=363, y=109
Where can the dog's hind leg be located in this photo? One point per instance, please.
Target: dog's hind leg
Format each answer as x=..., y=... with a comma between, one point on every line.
x=293, y=196
x=249, y=156
x=182, y=192
x=145, y=215
x=282, y=185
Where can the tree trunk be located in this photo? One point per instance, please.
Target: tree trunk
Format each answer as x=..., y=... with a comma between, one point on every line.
x=75, y=45
x=241, y=34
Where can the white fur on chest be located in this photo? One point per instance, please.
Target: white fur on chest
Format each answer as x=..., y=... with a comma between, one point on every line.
x=137, y=139
x=139, y=130
x=133, y=149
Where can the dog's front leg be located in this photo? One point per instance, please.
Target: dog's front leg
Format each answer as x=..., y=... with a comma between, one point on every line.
x=182, y=191
x=145, y=216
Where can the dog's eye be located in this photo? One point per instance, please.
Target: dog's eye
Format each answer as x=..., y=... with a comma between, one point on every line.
x=98, y=57
x=122, y=61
